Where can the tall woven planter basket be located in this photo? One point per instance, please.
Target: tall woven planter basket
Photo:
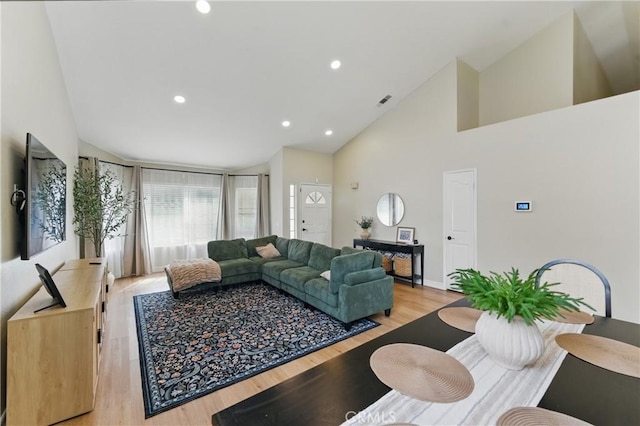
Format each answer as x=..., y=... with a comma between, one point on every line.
x=402, y=266
x=387, y=263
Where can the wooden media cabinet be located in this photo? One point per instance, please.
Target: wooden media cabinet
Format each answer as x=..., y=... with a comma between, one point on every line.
x=53, y=356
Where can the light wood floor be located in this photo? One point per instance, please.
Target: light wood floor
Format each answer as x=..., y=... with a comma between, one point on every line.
x=119, y=395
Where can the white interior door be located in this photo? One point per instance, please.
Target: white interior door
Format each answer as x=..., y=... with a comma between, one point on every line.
x=314, y=220
x=460, y=222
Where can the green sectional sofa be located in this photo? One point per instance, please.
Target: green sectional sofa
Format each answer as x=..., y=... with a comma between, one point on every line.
x=357, y=287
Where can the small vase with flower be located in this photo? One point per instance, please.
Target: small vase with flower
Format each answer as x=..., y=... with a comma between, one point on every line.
x=365, y=223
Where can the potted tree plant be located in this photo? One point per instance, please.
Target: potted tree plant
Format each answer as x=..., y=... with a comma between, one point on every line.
x=101, y=206
x=365, y=223
x=511, y=304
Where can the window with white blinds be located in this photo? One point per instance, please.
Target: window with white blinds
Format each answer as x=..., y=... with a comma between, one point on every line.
x=181, y=210
x=244, y=205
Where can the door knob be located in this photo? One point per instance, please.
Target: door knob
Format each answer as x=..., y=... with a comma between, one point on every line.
x=450, y=238
x=304, y=229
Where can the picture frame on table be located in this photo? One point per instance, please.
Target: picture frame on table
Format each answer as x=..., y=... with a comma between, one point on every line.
x=405, y=235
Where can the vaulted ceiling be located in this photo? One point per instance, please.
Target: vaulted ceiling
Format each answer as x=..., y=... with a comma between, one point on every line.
x=245, y=67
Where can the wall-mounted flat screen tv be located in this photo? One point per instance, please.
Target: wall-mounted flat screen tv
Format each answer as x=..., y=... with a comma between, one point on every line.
x=44, y=216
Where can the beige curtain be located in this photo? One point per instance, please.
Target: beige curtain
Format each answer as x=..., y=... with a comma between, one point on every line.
x=224, y=231
x=136, y=247
x=263, y=222
x=114, y=248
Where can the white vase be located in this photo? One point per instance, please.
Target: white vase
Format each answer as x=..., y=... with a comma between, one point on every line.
x=512, y=345
x=110, y=278
x=365, y=234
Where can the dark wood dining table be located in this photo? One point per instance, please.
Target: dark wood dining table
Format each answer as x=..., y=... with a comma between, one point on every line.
x=335, y=390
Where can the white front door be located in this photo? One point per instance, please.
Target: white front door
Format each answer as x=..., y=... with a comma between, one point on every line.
x=314, y=220
x=459, y=222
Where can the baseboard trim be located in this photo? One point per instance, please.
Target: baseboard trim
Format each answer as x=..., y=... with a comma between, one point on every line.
x=435, y=284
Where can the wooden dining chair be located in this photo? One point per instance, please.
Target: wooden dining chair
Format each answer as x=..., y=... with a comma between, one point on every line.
x=579, y=279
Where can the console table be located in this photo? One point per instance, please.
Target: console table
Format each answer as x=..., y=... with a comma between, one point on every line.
x=53, y=356
x=413, y=249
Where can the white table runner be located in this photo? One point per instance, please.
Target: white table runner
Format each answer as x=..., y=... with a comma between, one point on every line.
x=497, y=389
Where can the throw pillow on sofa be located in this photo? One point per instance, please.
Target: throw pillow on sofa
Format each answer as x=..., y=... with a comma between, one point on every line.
x=268, y=251
x=260, y=242
x=220, y=250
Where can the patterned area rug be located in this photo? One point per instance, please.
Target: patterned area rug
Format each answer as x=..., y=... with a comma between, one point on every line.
x=205, y=341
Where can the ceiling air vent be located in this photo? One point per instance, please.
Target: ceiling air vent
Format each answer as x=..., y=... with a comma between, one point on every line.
x=384, y=100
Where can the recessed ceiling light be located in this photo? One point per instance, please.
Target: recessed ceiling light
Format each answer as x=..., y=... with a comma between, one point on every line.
x=179, y=99
x=328, y=132
x=203, y=6
x=286, y=123
x=335, y=64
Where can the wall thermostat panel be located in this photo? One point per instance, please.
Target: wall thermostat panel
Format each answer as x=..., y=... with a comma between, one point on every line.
x=523, y=206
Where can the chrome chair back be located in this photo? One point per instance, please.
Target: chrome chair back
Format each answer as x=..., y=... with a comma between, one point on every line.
x=579, y=279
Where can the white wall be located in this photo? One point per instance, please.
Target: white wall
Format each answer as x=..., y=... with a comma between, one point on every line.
x=34, y=99
x=253, y=170
x=535, y=77
x=307, y=167
x=468, y=92
x=579, y=165
x=584, y=188
x=396, y=154
x=589, y=79
x=277, y=194
x=87, y=150
x=292, y=166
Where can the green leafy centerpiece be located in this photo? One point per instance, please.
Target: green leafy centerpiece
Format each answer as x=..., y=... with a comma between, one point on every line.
x=511, y=305
x=509, y=295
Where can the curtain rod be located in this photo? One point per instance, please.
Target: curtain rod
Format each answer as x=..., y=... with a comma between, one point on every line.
x=172, y=170
x=104, y=161
x=179, y=171
x=202, y=173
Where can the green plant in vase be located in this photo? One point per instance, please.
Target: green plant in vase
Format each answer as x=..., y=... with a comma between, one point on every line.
x=101, y=206
x=365, y=223
x=511, y=304
x=509, y=295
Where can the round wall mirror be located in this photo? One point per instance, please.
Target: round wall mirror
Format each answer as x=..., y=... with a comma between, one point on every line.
x=390, y=209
